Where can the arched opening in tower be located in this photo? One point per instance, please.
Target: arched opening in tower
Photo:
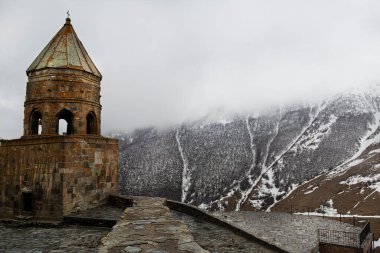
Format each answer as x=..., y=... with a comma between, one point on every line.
x=91, y=123
x=36, y=123
x=64, y=125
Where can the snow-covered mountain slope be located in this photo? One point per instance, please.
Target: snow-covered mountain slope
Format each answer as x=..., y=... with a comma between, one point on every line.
x=353, y=187
x=251, y=161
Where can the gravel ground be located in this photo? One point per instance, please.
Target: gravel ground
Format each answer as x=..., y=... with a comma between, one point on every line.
x=62, y=239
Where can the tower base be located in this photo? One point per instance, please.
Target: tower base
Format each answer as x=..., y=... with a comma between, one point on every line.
x=47, y=177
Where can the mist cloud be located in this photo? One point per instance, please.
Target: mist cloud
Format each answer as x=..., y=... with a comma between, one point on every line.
x=168, y=61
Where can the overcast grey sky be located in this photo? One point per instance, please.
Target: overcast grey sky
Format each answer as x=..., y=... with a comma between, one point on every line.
x=167, y=61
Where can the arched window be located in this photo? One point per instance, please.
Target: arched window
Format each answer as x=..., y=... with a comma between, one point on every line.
x=91, y=123
x=36, y=123
x=64, y=125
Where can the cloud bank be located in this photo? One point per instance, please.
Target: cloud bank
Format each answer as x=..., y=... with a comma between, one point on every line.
x=168, y=61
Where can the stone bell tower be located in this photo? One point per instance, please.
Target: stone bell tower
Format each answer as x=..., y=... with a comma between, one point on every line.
x=64, y=84
x=62, y=163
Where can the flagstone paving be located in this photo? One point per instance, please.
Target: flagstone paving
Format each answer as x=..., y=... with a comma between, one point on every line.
x=148, y=226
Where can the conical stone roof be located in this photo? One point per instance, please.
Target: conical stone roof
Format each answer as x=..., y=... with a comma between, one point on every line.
x=65, y=50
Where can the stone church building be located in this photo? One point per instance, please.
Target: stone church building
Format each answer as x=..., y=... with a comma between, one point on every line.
x=50, y=172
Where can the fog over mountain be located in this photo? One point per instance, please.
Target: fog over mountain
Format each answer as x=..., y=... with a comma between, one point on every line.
x=166, y=62
x=245, y=162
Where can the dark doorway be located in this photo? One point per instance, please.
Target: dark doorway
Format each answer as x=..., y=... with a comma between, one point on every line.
x=27, y=201
x=64, y=125
x=36, y=123
x=91, y=123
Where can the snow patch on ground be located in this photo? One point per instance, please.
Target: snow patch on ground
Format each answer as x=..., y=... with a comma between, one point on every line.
x=376, y=243
x=256, y=203
x=292, y=188
x=220, y=202
x=203, y=206
x=370, y=137
x=376, y=186
x=373, y=181
x=355, y=162
x=360, y=179
x=251, y=167
x=339, y=215
x=225, y=122
x=312, y=190
x=269, y=186
x=365, y=142
x=328, y=208
x=279, y=161
x=375, y=151
x=185, y=172
x=312, y=140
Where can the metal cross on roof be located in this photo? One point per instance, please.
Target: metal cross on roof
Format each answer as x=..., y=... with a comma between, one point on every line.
x=68, y=14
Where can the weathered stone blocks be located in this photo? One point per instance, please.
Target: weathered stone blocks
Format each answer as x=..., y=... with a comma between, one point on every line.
x=52, y=170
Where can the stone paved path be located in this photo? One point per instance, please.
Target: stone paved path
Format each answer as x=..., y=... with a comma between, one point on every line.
x=293, y=233
x=218, y=239
x=148, y=226
x=58, y=240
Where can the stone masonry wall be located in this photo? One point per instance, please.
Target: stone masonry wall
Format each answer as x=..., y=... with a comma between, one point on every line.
x=31, y=165
x=90, y=173
x=51, y=90
x=63, y=173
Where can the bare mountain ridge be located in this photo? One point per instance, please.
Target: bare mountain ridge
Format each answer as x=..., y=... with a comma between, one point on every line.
x=250, y=162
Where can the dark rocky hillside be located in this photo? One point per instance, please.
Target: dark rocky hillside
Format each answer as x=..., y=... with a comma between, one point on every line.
x=248, y=161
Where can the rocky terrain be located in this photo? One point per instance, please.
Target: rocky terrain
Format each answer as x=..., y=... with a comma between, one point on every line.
x=255, y=161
